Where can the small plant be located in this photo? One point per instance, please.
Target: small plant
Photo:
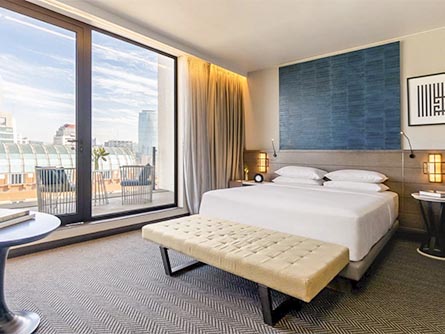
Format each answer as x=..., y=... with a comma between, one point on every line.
x=99, y=153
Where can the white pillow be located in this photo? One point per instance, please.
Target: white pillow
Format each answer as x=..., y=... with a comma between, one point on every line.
x=356, y=175
x=293, y=181
x=359, y=186
x=302, y=172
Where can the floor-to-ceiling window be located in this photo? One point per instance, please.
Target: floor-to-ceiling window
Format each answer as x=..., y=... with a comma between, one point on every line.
x=133, y=124
x=87, y=118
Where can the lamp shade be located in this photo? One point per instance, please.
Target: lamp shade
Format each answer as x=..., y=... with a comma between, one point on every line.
x=434, y=167
x=263, y=162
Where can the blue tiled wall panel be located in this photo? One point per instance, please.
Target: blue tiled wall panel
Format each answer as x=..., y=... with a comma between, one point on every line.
x=345, y=102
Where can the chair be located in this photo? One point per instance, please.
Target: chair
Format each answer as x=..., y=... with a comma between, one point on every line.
x=136, y=184
x=56, y=190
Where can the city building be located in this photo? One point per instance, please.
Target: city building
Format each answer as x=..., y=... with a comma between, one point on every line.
x=65, y=134
x=119, y=143
x=7, y=129
x=147, y=132
x=21, y=140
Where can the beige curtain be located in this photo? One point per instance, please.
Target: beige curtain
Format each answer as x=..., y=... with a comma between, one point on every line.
x=226, y=126
x=196, y=150
x=214, y=129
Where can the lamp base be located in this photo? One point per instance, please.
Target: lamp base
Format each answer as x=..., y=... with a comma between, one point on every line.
x=435, y=257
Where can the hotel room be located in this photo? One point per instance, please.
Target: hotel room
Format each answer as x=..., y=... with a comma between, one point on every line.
x=222, y=166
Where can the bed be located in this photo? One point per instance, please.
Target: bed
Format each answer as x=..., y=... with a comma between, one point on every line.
x=361, y=221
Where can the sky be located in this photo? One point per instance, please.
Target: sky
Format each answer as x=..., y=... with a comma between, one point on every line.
x=37, y=80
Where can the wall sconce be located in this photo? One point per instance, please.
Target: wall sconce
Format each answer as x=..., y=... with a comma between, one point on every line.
x=434, y=167
x=274, y=150
x=412, y=156
x=262, y=162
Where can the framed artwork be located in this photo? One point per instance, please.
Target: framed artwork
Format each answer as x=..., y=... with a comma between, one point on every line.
x=426, y=100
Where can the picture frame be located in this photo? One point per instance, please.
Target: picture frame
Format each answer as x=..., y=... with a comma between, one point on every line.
x=426, y=99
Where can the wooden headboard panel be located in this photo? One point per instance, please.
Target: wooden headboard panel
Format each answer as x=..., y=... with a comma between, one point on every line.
x=405, y=174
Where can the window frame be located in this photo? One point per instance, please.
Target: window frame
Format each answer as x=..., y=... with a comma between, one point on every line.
x=175, y=125
x=84, y=104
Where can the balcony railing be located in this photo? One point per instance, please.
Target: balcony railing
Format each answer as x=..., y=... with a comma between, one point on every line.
x=53, y=190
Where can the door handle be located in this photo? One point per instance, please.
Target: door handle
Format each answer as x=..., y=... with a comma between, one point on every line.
x=78, y=141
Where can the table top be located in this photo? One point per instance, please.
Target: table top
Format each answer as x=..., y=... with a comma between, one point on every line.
x=28, y=231
x=428, y=198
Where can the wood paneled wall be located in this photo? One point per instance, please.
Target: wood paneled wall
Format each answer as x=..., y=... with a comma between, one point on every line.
x=405, y=174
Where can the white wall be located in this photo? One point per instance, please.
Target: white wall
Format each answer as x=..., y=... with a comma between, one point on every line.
x=420, y=54
x=262, y=109
x=166, y=117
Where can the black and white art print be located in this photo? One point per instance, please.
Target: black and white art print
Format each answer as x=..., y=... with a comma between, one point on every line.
x=426, y=100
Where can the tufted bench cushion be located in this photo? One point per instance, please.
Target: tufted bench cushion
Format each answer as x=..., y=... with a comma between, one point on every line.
x=297, y=266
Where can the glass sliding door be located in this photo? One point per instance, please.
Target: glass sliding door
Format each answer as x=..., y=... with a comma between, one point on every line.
x=38, y=115
x=87, y=118
x=133, y=126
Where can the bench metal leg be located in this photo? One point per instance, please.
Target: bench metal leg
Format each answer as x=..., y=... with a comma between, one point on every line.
x=270, y=315
x=178, y=269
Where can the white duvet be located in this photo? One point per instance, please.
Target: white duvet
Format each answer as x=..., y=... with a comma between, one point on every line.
x=356, y=220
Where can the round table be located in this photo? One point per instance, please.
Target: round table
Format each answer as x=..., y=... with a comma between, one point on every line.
x=434, y=244
x=24, y=321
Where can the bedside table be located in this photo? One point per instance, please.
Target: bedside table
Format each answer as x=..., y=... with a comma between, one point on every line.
x=434, y=244
x=253, y=183
x=243, y=183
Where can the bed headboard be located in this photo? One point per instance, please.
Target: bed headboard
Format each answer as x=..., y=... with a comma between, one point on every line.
x=405, y=174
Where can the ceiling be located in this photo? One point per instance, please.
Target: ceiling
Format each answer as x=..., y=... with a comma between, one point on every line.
x=248, y=35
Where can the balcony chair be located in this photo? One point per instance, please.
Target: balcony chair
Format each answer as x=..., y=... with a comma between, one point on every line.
x=136, y=184
x=56, y=190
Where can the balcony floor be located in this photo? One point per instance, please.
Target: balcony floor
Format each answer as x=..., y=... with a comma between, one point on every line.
x=160, y=197
x=114, y=205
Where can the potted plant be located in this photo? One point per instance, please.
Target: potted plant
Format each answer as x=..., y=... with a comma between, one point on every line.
x=99, y=153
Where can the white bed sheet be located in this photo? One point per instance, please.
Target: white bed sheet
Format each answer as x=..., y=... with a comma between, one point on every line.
x=353, y=219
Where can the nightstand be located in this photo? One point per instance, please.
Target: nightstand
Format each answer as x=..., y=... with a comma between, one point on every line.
x=241, y=183
x=434, y=244
x=253, y=183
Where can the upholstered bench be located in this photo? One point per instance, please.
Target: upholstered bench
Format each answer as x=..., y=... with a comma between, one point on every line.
x=296, y=266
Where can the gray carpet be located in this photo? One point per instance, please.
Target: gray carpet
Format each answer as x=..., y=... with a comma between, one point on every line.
x=117, y=285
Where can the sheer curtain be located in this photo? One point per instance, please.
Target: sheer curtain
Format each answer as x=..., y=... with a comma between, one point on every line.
x=214, y=129
x=196, y=150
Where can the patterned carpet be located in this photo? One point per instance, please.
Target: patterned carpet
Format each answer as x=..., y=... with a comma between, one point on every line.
x=117, y=285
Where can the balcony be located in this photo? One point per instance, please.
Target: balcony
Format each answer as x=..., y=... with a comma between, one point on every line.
x=106, y=194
